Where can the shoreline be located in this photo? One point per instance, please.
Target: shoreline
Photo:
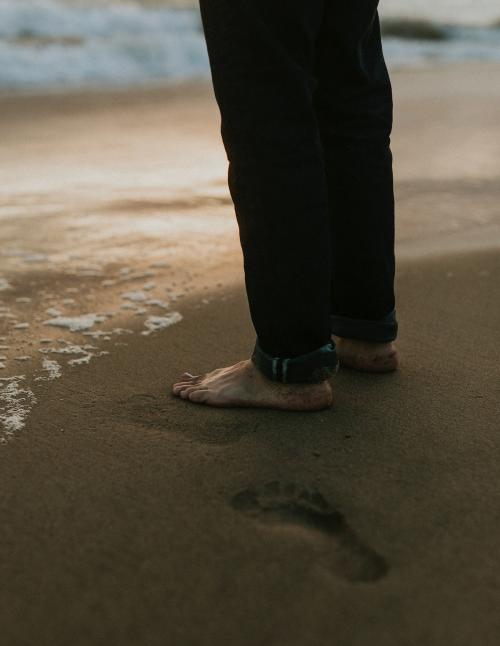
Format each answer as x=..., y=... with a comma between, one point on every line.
x=176, y=86
x=130, y=190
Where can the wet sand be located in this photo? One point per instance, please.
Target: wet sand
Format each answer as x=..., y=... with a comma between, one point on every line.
x=128, y=516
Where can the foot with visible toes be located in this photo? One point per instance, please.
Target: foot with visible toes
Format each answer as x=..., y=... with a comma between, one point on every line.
x=367, y=356
x=244, y=385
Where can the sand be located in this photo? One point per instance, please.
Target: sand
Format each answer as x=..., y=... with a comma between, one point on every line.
x=128, y=516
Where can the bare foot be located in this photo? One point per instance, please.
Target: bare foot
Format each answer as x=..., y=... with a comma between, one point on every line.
x=365, y=356
x=244, y=385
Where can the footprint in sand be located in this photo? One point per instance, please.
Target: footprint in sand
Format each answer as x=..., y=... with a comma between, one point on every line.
x=291, y=504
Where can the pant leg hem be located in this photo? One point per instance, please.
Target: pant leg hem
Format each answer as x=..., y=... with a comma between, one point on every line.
x=313, y=367
x=374, y=331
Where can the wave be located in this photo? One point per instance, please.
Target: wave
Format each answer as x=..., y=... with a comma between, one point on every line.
x=46, y=43
x=78, y=43
x=428, y=30
x=413, y=29
x=422, y=42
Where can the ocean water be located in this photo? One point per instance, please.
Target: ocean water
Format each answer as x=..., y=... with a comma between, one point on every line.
x=76, y=43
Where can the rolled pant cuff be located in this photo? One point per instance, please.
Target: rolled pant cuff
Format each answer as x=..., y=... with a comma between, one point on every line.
x=375, y=331
x=312, y=367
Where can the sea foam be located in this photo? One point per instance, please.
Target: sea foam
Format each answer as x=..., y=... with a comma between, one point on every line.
x=154, y=323
x=76, y=323
x=15, y=405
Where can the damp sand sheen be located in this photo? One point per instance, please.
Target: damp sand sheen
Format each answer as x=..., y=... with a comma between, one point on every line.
x=95, y=277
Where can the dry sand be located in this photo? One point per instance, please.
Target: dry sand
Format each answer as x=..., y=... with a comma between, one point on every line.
x=131, y=517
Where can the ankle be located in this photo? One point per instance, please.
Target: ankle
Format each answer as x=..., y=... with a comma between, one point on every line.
x=340, y=340
x=367, y=356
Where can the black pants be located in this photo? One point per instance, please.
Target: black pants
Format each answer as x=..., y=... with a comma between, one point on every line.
x=306, y=107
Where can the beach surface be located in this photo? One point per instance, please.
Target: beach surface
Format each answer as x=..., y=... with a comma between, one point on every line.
x=130, y=517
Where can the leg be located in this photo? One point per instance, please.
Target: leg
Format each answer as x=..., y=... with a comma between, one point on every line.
x=354, y=107
x=262, y=58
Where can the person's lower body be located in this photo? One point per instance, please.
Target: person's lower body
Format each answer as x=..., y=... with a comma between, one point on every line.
x=306, y=109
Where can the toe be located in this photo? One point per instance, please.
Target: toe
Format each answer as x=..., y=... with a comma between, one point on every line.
x=187, y=376
x=198, y=396
x=180, y=385
x=178, y=388
x=184, y=393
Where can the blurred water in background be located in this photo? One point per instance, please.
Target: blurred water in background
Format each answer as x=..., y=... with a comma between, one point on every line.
x=76, y=43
